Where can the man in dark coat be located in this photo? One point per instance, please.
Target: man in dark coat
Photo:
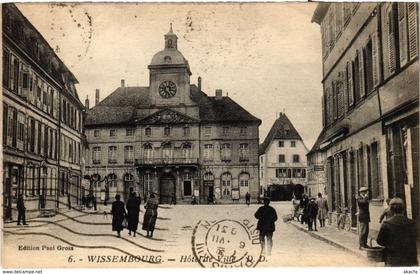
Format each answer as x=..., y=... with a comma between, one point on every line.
x=21, y=210
x=248, y=198
x=133, y=211
x=363, y=217
x=118, y=215
x=266, y=216
x=398, y=235
x=312, y=209
x=304, y=207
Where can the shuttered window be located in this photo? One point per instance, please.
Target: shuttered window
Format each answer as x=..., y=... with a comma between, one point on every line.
x=356, y=78
x=376, y=65
x=402, y=33
x=350, y=83
x=392, y=64
x=6, y=68
x=334, y=94
x=362, y=82
x=368, y=66
x=413, y=30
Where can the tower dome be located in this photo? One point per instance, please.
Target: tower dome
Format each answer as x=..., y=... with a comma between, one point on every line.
x=170, y=55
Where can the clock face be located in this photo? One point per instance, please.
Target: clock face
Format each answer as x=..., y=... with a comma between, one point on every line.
x=167, y=89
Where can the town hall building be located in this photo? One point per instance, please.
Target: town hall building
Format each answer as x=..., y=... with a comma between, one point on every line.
x=172, y=139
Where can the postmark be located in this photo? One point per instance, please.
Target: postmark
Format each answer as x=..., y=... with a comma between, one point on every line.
x=226, y=243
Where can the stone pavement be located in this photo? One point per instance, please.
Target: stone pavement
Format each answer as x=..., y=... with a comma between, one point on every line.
x=345, y=240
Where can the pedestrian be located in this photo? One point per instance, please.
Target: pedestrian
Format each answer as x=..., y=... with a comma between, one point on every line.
x=94, y=202
x=295, y=207
x=247, y=198
x=118, y=215
x=173, y=199
x=194, y=200
x=150, y=215
x=312, y=213
x=363, y=217
x=266, y=216
x=398, y=235
x=303, y=207
x=386, y=213
x=133, y=211
x=83, y=202
x=322, y=209
x=21, y=210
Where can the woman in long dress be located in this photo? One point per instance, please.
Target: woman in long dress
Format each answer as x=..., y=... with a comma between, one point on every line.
x=118, y=215
x=133, y=210
x=150, y=216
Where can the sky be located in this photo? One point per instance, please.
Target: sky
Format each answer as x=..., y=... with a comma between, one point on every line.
x=265, y=56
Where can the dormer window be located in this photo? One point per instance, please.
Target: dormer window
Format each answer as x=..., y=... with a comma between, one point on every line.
x=168, y=59
x=170, y=43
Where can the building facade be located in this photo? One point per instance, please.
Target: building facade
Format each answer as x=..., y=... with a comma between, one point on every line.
x=283, y=166
x=171, y=139
x=42, y=121
x=370, y=105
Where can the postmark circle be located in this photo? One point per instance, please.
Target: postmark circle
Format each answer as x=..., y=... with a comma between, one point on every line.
x=226, y=243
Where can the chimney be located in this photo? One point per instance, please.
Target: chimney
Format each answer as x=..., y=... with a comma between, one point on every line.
x=122, y=83
x=97, y=97
x=87, y=102
x=199, y=83
x=219, y=94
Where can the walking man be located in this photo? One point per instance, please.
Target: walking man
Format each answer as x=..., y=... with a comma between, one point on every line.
x=266, y=216
x=322, y=209
x=247, y=198
x=312, y=213
x=21, y=210
x=133, y=211
x=363, y=217
x=398, y=235
x=118, y=215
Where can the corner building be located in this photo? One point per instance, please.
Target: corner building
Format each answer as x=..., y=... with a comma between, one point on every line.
x=42, y=122
x=370, y=134
x=171, y=138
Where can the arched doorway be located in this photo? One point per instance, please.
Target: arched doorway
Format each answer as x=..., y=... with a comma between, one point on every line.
x=209, y=187
x=166, y=188
x=128, y=185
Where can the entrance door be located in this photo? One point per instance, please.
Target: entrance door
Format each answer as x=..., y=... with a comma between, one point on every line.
x=208, y=191
x=166, y=188
x=7, y=192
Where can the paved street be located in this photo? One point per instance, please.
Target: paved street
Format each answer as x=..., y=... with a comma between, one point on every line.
x=90, y=235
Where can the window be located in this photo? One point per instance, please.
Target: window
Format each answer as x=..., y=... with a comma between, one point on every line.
x=281, y=143
x=299, y=173
x=226, y=181
x=295, y=158
x=207, y=131
x=167, y=151
x=243, y=131
x=112, y=154
x=167, y=131
x=225, y=131
x=96, y=133
x=186, y=131
x=148, y=184
x=208, y=176
x=208, y=152
x=112, y=133
x=148, y=152
x=96, y=156
x=187, y=184
x=129, y=132
x=186, y=151
x=243, y=184
x=225, y=152
x=16, y=74
x=262, y=159
x=293, y=143
x=148, y=131
x=368, y=66
x=243, y=152
x=112, y=180
x=6, y=68
x=281, y=173
x=129, y=154
x=282, y=158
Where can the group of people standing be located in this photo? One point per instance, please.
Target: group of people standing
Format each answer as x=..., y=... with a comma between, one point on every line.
x=130, y=212
x=308, y=210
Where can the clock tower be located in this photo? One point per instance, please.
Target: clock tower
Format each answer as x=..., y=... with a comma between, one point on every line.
x=170, y=75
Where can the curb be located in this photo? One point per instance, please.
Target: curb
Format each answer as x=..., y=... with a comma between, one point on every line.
x=329, y=241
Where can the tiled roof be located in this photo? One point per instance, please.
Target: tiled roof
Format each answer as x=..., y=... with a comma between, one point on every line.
x=121, y=105
x=281, y=129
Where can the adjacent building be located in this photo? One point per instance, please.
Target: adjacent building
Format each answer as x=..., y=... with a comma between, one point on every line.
x=283, y=166
x=172, y=139
x=370, y=133
x=42, y=121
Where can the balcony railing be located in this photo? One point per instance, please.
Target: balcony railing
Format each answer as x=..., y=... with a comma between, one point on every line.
x=167, y=161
